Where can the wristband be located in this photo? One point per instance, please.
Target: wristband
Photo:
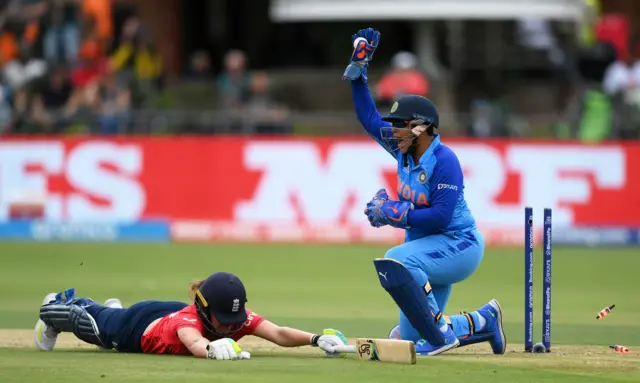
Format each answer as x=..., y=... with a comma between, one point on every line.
x=210, y=354
x=314, y=340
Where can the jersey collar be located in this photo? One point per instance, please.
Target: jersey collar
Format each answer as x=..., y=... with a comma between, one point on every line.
x=428, y=153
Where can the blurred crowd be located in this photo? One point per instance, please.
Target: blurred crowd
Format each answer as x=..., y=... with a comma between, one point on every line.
x=606, y=104
x=68, y=66
x=65, y=69
x=245, y=98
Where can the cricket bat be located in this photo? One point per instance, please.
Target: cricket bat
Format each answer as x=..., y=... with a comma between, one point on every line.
x=383, y=350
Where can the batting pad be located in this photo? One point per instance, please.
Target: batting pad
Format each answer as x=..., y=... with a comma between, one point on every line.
x=72, y=318
x=410, y=297
x=476, y=338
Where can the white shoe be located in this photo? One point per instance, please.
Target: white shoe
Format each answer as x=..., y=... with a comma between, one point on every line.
x=395, y=332
x=113, y=303
x=44, y=336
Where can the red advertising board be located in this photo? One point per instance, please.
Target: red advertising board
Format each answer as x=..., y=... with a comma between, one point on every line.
x=230, y=184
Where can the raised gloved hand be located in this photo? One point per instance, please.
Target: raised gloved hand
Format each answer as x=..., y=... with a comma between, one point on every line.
x=367, y=42
x=382, y=211
x=226, y=349
x=328, y=340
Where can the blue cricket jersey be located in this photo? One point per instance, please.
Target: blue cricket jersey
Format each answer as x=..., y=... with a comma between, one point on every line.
x=435, y=185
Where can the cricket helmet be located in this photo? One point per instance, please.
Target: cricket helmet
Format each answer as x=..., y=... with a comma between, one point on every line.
x=413, y=107
x=222, y=295
x=413, y=112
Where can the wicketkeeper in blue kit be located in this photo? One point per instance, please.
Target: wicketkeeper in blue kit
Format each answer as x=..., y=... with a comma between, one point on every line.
x=442, y=243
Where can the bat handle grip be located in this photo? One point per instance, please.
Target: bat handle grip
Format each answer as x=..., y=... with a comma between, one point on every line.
x=347, y=348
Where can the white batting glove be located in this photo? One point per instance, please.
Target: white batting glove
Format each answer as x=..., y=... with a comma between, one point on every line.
x=328, y=341
x=226, y=349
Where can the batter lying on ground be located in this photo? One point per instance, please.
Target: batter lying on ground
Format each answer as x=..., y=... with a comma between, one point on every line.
x=207, y=328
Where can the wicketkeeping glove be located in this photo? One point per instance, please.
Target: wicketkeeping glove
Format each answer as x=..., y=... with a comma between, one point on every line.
x=382, y=211
x=362, y=54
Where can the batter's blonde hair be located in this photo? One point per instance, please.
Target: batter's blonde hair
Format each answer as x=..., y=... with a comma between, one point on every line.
x=193, y=287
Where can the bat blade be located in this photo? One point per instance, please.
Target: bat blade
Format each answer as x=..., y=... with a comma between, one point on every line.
x=386, y=350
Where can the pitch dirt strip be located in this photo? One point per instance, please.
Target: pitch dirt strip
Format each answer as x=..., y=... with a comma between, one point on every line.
x=593, y=358
x=24, y=339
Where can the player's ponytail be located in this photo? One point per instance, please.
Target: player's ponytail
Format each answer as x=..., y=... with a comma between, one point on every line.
x=193, y=287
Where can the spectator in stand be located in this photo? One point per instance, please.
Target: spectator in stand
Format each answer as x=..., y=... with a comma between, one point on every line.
x=200, y=66
x=20, y=27
x=403, y=78
x=266, y=114
x=6, y=114
x=197, y=83
x=23, y=69
x=622, y=83
x=61, y=27
x=90, y=68
x=54, y=102
x=234, y=85
x=113, y=105
x=8, y=43
x=615, y=29
x=86, y=78
x=19, y=75
x=234, y=82
x=99, y=12
x=623, y=75
x=138, y=62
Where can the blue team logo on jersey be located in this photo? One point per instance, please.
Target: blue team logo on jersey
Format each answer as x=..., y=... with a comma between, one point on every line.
x=422, y=178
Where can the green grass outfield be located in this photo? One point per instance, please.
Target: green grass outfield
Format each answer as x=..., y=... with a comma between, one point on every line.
x=314, y=287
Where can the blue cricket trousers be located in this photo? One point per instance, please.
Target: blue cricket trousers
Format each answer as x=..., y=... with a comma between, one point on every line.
x=442, y=261
x=122, y=329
